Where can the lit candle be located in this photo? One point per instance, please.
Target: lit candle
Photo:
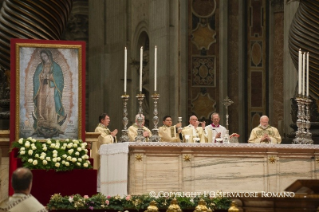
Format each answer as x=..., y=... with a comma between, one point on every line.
x=307, y=90
x=141, y=67
x=125, y=69
x=155, y=69
x=299, y=71
x=303, y=73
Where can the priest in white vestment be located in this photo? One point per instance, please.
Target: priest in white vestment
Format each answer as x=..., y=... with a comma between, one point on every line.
x=193, y=133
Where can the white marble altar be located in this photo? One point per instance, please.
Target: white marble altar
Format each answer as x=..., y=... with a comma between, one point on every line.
x=139, y=168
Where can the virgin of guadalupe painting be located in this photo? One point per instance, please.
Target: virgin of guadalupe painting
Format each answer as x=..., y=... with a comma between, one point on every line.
x=48, y=90
x=48, y=84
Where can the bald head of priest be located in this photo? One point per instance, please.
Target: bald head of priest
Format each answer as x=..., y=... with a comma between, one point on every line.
x=264, y=133
x=21, y=200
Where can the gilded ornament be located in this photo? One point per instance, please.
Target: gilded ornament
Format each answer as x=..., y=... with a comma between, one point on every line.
x=187, y=158
x=203, y=105
x=317, y=159
x=152, y=207
x=174, y=207
x=139, y=157
x=233, y=207
x=202, y=207
x=203, y=36
x=272, y=159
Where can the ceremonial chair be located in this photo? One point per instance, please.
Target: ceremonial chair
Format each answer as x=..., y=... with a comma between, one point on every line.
x=92, y=138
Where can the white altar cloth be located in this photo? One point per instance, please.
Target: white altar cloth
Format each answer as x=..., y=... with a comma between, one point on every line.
x=114, y=169
x=139, y=168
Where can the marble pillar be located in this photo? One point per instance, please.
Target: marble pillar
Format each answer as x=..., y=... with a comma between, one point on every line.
x=223, y=57
x=107, y=39
x=234, y=28
x=290, y=77
x=276, y=69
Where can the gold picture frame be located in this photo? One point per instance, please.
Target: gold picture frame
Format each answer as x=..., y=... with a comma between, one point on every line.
x=47, y=89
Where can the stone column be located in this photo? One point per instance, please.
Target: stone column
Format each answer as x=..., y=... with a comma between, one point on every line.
x=241, y=69
x=96, y=48
x=77, y=29
x=223, y=57
x=276, y=66
x=107, y=39
x=235, y=26
x=290, y=77
x=168, y=30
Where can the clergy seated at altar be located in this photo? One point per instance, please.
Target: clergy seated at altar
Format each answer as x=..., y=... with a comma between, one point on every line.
x=106, y=137
x=169, y=133
x=264, y=133
x=216, y=130
x=193, y=133
x=22, y=200
x=132, y=130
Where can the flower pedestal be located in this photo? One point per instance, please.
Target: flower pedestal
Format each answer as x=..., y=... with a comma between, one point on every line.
x=58, y=167
x=78, y=181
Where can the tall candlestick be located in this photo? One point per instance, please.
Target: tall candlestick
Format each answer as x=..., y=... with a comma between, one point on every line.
x=303, y=73
x=155, y=69
x=125, y=69
x=299, y=71
x=141, y=67
x=307, y=89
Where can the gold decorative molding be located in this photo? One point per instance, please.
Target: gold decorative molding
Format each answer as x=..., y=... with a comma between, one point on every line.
x=187, y=158
x=138, y=157
x=5, y=136
x=203, y=36
x=317, y=159
x=204, y=9
x=203, y=105
x=272, y=159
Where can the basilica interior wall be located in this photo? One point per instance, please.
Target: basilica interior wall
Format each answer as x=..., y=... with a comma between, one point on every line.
x=174, y=26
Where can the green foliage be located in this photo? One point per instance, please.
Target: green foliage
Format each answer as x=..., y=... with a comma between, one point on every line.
x=53, y=154
x=131, y=202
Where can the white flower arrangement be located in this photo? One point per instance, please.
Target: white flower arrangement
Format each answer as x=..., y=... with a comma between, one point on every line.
x=53, y=154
